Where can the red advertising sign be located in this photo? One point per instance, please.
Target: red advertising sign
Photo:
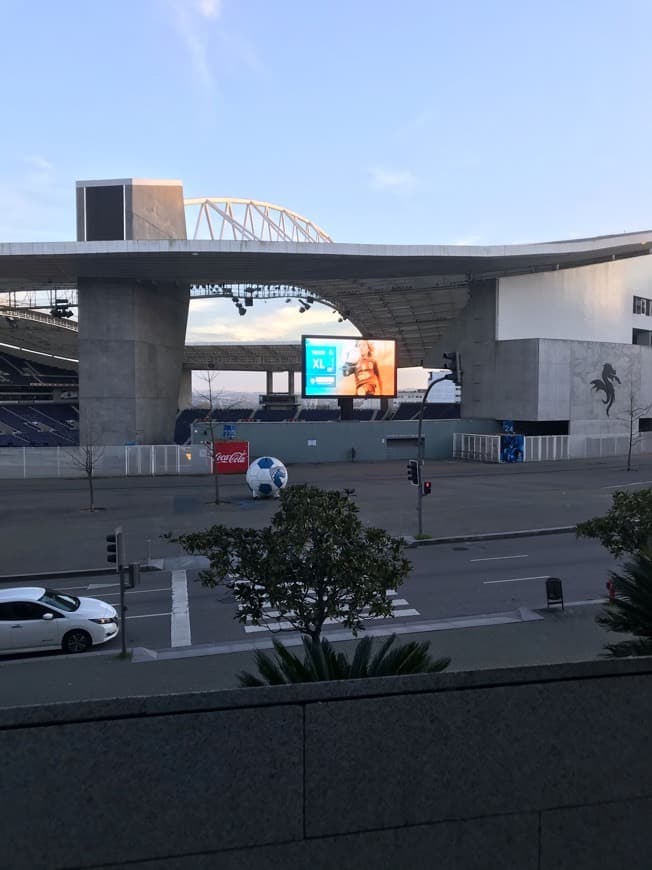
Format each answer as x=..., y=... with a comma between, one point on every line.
x=231, y=457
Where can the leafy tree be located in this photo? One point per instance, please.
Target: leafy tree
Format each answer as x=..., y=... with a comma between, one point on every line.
x=631, y=612
x=627, y=525
x=315, y=563
x=322, y=662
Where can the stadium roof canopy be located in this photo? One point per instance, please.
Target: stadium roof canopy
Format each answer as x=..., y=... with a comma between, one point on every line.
x=407, y=292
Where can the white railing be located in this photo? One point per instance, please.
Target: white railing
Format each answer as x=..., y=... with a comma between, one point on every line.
x=478, y=448
x=486, y=448
x=136, y=460
x=544, y=448
x=549, y=448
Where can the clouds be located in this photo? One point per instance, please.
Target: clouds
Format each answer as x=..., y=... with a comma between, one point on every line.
x=275, y=320
x=392, y=180
x=209, y=8
x=187, y=23
x=214, y=50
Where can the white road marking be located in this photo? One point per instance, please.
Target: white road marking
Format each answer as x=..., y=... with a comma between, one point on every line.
x=147, y=615
x=70, y=588
x=180, y=611
x=271, y=616
x=494, y=558
x=629, y=483
x=136, y=592
x=276, y=625
x=516, y=579
x=98, y=585
x=396, y=602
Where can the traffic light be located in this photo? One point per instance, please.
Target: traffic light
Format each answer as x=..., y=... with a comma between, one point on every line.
x=115, y=548
x=452, y=361
x=414, y=475
x=427, y=487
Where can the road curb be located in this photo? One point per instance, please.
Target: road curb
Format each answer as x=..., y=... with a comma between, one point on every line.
x=73, y=572
x=57, y=575
x=143, y=655
x=488, y=536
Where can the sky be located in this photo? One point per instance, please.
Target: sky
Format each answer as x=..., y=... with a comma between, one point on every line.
x=420, y=122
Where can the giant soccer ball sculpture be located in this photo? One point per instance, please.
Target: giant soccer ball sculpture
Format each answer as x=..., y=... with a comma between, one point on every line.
x=266, y=477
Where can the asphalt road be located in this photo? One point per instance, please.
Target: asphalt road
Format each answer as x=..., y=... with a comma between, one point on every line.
x=44, y=524
x=172, y=609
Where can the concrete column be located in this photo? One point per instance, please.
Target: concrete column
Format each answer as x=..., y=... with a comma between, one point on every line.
x=346, y=409
x=270, y=383
x=185, y=390
x=131, y=339
x=291, y=383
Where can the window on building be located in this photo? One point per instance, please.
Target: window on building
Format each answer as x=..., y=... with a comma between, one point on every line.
x=642, y=306
x=642, y=336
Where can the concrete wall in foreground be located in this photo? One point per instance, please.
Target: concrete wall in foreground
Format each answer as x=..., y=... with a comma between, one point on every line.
x=546, y=768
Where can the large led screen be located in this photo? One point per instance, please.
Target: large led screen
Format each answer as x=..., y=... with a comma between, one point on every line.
x=338, y=367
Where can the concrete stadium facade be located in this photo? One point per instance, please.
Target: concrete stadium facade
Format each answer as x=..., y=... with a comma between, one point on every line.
x=555, y=333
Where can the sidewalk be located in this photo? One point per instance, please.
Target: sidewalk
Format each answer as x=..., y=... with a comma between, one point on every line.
x=559, y=637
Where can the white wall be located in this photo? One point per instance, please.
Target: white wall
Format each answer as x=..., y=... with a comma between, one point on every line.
x=591, y=303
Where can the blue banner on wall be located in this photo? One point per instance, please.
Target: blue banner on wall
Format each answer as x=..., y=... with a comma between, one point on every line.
x=511, y=448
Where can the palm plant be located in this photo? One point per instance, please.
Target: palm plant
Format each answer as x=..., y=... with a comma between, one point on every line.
x=631, y=612
x=321, y=662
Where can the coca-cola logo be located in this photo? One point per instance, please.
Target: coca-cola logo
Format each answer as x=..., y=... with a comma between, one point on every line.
x=232, y=458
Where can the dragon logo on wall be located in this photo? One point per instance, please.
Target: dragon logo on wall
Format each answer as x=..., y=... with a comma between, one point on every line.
x=606, y=386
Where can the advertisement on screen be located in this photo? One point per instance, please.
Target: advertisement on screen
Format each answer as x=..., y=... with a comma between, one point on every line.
x=338, y=367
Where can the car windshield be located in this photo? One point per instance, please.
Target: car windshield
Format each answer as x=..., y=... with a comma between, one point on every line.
x=56, y=599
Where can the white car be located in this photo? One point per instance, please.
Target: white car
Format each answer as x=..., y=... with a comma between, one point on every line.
x=34, y=618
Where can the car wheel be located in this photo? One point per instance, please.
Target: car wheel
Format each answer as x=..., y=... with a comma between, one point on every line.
x=77, y=641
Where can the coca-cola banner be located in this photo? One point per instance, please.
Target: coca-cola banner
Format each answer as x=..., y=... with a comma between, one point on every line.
x=231, y=457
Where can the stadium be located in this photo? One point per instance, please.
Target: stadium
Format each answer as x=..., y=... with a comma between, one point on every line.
x=553, y=338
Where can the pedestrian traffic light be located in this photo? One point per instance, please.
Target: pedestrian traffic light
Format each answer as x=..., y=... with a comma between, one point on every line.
x=414, y=475
x=452, y=361
x=427, y=487
x=115, y=548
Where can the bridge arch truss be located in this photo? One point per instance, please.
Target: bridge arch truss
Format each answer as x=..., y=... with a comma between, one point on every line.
x=234, y=219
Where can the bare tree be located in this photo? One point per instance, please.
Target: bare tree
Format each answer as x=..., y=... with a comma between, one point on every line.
x=87, y=459
x=632, y=415
x=214, y=399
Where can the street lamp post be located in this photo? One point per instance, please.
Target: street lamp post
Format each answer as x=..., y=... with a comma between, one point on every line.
x=420, y=451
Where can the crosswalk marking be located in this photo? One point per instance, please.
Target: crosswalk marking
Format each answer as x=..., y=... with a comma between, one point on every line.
x=180, y=612
x=271, y=616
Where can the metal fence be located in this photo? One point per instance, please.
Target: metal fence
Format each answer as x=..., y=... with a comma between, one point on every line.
x=546, y=448
x=478, y=448
x=133, y=461
x=543, y=448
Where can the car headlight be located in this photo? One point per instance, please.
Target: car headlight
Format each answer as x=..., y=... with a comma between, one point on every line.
x=105, y=620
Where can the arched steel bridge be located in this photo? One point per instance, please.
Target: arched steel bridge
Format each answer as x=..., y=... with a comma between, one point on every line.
x=229, y=218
